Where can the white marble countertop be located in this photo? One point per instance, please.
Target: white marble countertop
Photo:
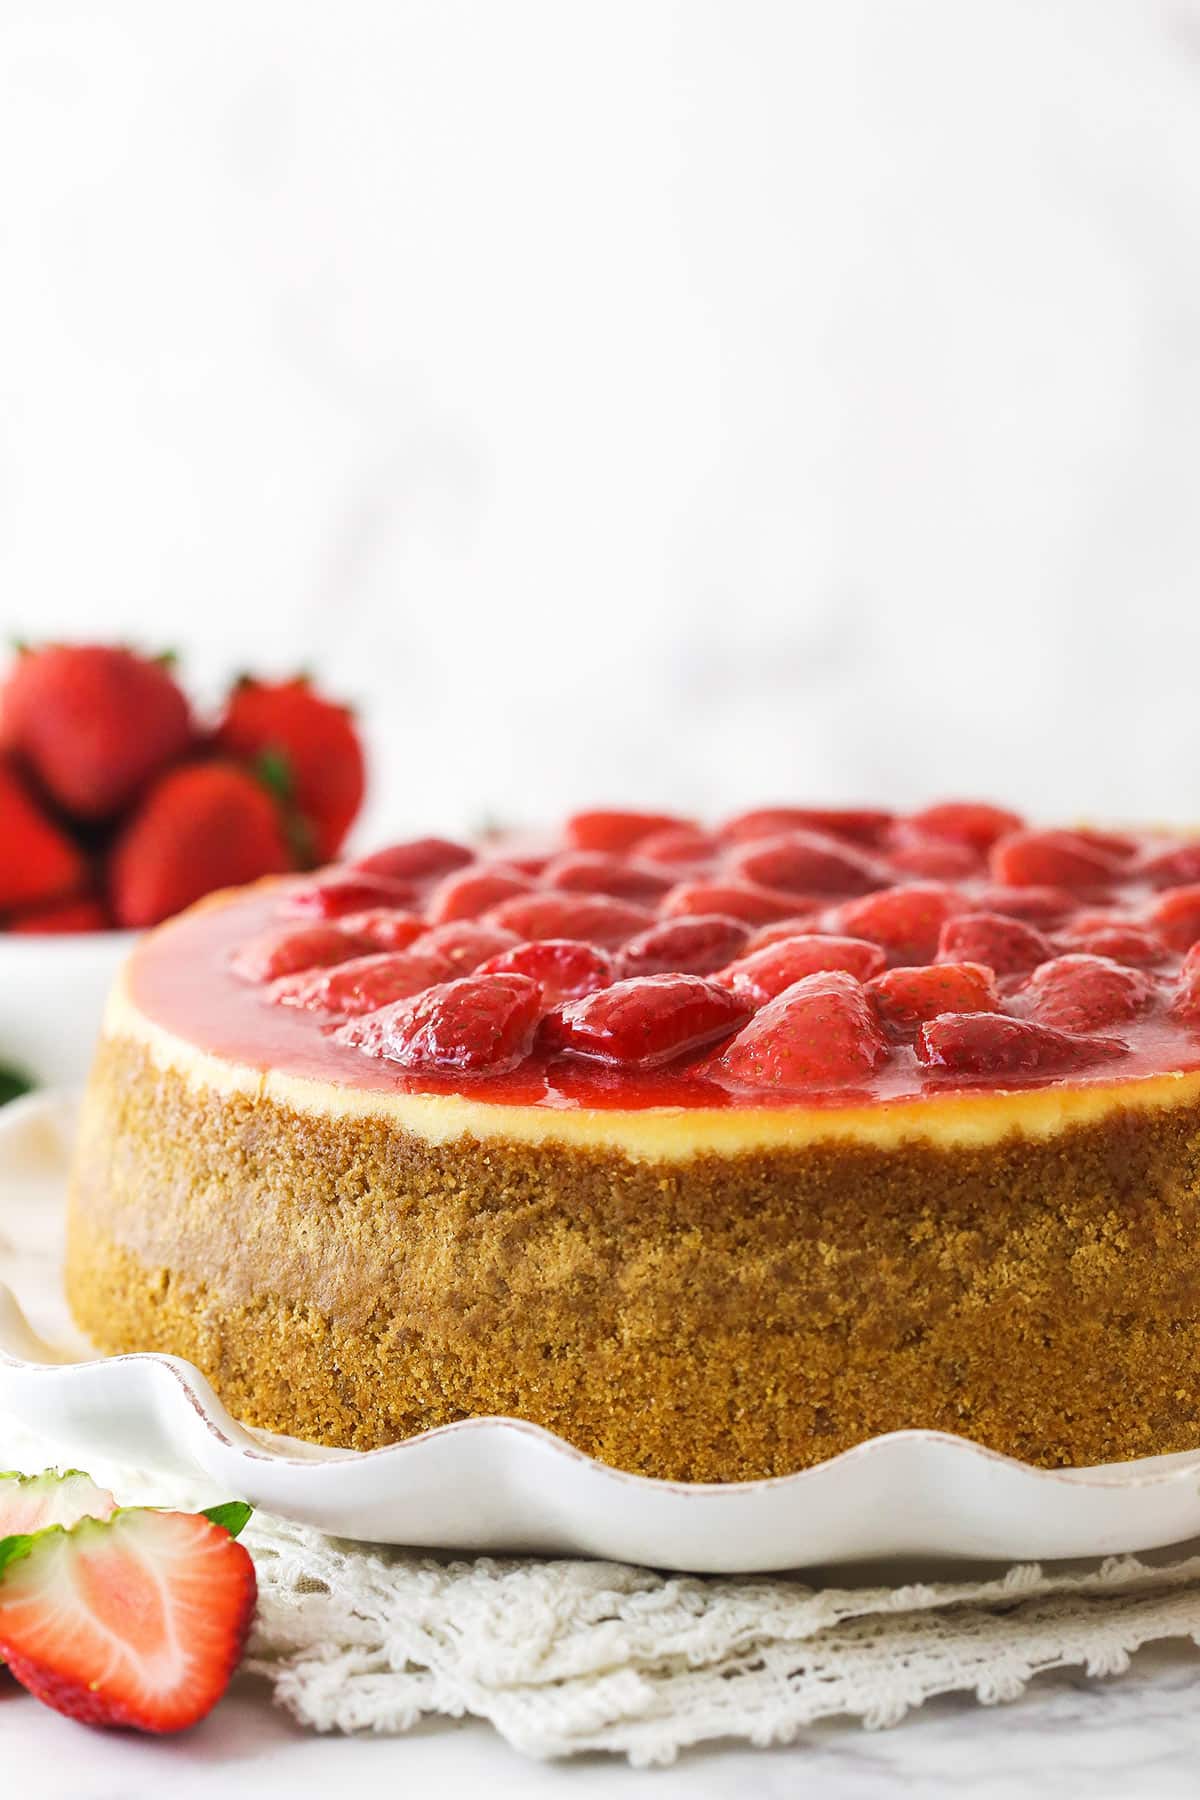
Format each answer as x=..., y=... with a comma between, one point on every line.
x=1135, y=1737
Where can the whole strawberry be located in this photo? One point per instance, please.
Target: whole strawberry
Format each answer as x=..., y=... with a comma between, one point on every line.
x=202, y=826
x=38, y=863
x=309, y=747
x=94, y=723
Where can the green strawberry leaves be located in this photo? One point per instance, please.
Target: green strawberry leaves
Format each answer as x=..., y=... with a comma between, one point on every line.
x=232, y=1517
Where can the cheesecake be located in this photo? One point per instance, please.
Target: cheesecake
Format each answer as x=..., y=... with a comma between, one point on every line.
x=713, y=1151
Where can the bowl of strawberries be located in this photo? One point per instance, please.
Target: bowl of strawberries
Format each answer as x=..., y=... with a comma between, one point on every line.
x=120, y=804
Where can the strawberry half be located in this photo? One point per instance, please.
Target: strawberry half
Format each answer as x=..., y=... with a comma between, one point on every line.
x=139, y=1621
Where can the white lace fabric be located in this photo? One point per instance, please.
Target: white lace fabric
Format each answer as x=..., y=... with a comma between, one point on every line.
x=570, y=1656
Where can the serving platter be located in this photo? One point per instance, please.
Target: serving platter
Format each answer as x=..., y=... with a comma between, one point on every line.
x=495, y=1484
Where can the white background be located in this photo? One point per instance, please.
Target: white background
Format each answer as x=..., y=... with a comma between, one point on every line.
x=693, y=401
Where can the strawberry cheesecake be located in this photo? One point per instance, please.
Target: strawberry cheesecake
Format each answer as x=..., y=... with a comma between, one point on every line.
x=713, y=1151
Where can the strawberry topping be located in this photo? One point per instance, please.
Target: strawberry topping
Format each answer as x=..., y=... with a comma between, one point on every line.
x=646, y=1020
x=821, y=1032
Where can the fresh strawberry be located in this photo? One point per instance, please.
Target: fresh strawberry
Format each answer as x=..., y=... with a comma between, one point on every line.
x=38, y=863
x=595, y=918
x=765, y=973
x=617, y=831
x=990, y=1044
x=905, y=998
x=343, y=892
x=95, y=723
x=594, y=872
x=1068, y=859
x=697, y=944
x=468, y=893
x=202, y=826
x=137, y=1621
x=685, y=844
x=803, y=862
x=288, y=952
x=1082, y=993
x=1123, y=943
x=308, y=746
x=861, y=825
x=361, y=985
x=383, y=927
x=563, y=968
x=462, y=944
x=1171, y=868
x=646, y=1020
x=62, y=916
x=1007, y=946
x=905, y=920
x=419, y=859
x=968, y=822
x=821, y=1032
x=30, y=1503
x=1175, y=917
x=743, y=900
x=478, y=1025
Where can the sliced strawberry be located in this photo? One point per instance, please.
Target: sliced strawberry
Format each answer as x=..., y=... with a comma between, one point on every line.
x=345, y=891
x=1186, y=1004
x=798, y=925
x=681, y=844
x=990, y=1044
x=696, y=944
x=462, y=944
x=1082, y=993
x=595, y=872
x=1043, y=906
x=563, y=968
x=905, y=998
x=594, y=918
x=933, y=859
x=645, y=1021
x=62, y=916
x=287, y=952
x=803, y=862
x=762, y=974
x=1007, y=946
x=384, y=927
x=1123, y=943
x=418, y=859
x=30, y=1503
x=478, y=1025
x=821, y=1032
x=968, y=822
x=617, y=831
x=1179, y=867
x=743, y=900
x=861, y=825
x=1068, y=859
x=138, y=1621
x=905, y=920
x=1175, y=917
x=468, y=893
x=361, y=985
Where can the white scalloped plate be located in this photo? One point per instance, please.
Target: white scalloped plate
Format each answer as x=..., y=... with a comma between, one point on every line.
x=502, y=1484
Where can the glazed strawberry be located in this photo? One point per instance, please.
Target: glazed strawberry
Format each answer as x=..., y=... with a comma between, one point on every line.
x=384, y=927
x=861, y=825
x=468, y=893
x=30, y=1503
x=287, y=952
x=743, y=900
x=61, y=916
x=697, y=944
x=462, y=944
x=905, y=998
x=617, y=831
x=798, y=925
x=595, y=918
x=95, y=723
x=933, y=860
x=1067, y=859
x=1124, y=943
x=137, y=1621
x=417, y=860
x=38, y=862
x=802, y=862
x=1172, y=868
x=202, y=826
x=905, y=920
x=1007, y=946
x=563, y=968
x=821, y=1032
x=645, y=1021
x=685, y=844
x=1186, y=1002
x=478, y=1025
x=361, y=985
x=594, y=872
x=1041, y=906
x=990, y=1044
x=758, y=977
x=344, y=892
x=1175, y=917
x=305, y=743
x=968, y=822
x=1083, y=993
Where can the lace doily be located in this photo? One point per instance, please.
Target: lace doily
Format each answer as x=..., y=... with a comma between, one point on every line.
x=564, y=1657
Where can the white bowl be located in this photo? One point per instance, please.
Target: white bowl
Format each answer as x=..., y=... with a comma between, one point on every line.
x=52, y=993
